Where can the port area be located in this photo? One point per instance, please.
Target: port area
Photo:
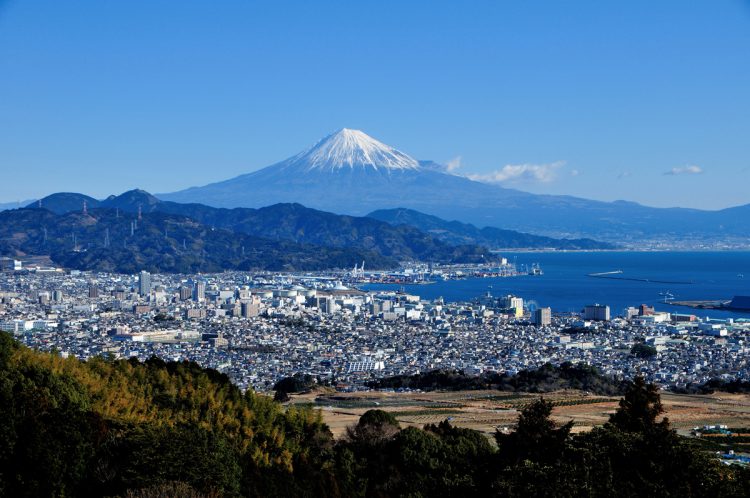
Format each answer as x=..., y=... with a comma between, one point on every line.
x=424, y=274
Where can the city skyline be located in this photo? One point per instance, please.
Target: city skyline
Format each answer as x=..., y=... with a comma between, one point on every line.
x=645, y=103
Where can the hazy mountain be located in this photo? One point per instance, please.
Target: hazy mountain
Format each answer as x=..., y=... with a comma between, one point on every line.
x=102, y=240
x=455, y=232
x=349, y=172
x=15, y=205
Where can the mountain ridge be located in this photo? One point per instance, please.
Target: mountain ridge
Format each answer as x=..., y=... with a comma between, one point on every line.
x=104, y=239
x=297, y=223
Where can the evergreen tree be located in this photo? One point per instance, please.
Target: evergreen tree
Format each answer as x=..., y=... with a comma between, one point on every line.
x=536, y=438
x=639, y=408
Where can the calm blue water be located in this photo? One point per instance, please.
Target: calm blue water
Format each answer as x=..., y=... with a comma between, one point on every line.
x=565, y=286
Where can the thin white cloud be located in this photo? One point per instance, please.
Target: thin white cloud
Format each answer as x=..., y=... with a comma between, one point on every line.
x=453, y=164
x=574, y=172
x=624, y=174
x=685, y=170
x=516, y=173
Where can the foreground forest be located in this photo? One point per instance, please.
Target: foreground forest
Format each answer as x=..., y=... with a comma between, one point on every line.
x=124, y=428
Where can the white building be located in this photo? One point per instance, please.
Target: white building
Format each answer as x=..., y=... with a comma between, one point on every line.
x=542, y=316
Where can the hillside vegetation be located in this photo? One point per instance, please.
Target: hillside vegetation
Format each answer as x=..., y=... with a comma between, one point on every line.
x=295, y=224
x=108, y=240
x=546, y=378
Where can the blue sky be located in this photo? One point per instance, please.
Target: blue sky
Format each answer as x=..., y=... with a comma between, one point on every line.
x=639, y=100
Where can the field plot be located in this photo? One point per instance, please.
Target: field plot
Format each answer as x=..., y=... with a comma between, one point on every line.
x=487, y=411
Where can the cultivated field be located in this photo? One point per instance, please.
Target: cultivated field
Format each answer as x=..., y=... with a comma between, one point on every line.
x=487, y=411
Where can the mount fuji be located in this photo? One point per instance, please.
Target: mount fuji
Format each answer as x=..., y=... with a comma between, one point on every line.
x=346, y=172
x=349, y=172
x=350, y=149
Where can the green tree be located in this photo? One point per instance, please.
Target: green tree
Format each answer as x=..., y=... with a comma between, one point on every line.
x=536, y=438
x=641, y=350
x=374, y=428
x=639, y=409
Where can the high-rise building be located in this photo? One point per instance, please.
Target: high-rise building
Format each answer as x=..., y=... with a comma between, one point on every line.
x=630, y=312
x=645, y=310
x=185, y=293
x=144, y=283
x=219, y=340
x=195, y=313
x=43, y=297
x=542, y=317
x=250, y=308
x=514, y=303
x=596, y=312
x=93, y=291
x=199, y=291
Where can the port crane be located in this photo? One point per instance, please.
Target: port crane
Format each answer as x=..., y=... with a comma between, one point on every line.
x=358, y=272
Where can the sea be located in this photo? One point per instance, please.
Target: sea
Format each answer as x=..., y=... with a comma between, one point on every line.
x=646, y=278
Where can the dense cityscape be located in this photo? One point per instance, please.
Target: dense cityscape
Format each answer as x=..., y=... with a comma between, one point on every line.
x=374, y=249
x=261, y=327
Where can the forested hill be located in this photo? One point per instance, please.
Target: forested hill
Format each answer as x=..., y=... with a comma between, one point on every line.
x=123, y=428
x=112, y=240
x=291, y=223
x=102, y=427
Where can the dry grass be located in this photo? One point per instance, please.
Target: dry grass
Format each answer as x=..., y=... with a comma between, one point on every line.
x=487, y=410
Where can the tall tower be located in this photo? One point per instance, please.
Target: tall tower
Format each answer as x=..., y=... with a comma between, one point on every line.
x=199, y=292
x=185, y=293
x=144, y=283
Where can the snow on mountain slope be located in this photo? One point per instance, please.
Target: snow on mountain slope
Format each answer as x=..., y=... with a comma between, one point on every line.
x=351, y=149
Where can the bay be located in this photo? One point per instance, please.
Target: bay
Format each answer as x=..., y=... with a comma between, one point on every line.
x=566, y=287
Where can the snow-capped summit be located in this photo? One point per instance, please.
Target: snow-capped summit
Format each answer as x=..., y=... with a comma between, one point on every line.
x=352, y=149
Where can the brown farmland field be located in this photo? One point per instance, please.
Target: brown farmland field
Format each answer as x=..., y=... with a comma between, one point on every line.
x=487, y=411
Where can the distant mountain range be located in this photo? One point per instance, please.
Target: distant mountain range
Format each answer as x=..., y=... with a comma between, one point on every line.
x=14, y=205
x=178, y=237
x=349, y=172
x=404, y=236
x=455, y=232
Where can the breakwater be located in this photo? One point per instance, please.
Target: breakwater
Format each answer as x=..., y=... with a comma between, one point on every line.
x=614, y=275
